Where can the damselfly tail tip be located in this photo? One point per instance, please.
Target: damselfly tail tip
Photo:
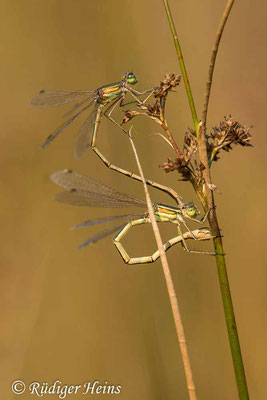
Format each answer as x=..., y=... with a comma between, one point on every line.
x=72, y=228
x=78, y=154
x=85, y=244
x=48, y=140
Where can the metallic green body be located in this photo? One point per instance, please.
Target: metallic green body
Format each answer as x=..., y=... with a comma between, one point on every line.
x=108, y=93
x=165, y=213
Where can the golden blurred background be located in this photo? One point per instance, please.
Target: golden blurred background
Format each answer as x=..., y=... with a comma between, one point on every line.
x=84, y=315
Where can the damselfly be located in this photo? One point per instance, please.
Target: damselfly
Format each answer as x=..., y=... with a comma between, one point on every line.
x=104, y=99
x=83, y=191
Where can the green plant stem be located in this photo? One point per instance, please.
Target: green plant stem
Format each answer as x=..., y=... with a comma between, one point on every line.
x=207, y=199
x=230, y=321
x=182, y=65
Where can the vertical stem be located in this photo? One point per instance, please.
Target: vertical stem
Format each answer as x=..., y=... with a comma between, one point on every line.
x=206, y=197
x=170, y=287
x=218, y=244
x=182, y=65
x=213, y=59
x=222, y=274
x=230, y=321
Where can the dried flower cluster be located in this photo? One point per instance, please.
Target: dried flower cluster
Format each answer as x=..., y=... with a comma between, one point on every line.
x=128, y=115
x=228, y=133
x=183, y=163
x=167, y=85
x=223, y=137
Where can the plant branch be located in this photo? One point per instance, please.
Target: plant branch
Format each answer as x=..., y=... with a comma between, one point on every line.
x=182, y=64
x=170, y=286
x=213, y=59
x=171, y=139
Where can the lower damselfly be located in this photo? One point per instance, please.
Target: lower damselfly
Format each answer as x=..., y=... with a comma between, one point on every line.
x=104, y=100
x=83, y=191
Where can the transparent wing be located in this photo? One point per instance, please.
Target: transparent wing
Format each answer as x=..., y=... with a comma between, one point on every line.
x=101, y=235
x=84, y=137
x=69, y=179
x=89, y=199
x=77, y=105
x=50, y=98
x=81, y=190
x=63, y=126
x=92, y=222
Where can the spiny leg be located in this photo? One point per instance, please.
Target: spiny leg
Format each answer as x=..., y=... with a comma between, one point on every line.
x=182, y=236
x=194, y=236
x=181, y=219
x=202, y=220
x=200, y=234
x=109, y=110
x=119, y=101
x=99, y=111
x=134, y=93
x=187, y=227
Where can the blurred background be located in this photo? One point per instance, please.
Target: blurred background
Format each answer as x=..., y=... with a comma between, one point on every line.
x=81, y=316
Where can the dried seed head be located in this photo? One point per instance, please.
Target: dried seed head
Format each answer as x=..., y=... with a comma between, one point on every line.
x=152, y=110
x=128, y=115
x=167, y=85
x=228, y=133
x=180, y=164
x=183, y=163
x=170, y=165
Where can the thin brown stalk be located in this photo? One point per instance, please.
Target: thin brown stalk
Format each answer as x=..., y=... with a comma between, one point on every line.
x=213, y=59
x=170, y=287
x=171, y=139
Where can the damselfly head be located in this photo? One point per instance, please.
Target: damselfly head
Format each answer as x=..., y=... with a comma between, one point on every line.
x=130, y=78
x=190, y=210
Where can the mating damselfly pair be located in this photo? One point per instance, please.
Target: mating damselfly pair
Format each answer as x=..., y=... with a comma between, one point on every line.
x=83, y=191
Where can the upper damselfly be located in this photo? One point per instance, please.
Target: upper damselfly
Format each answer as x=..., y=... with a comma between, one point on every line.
x=83, y=191
x=103, y=100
